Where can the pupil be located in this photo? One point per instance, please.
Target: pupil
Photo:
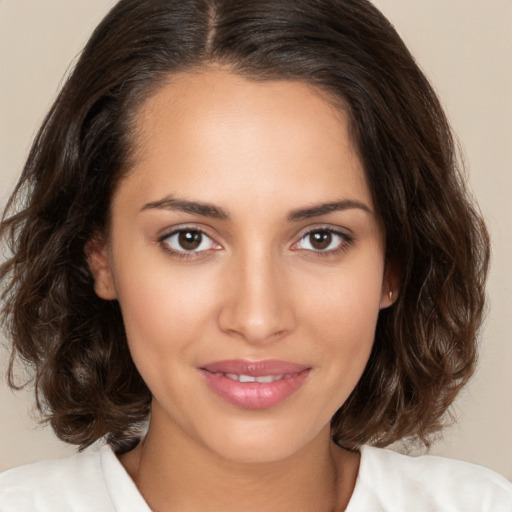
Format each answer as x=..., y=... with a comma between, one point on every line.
x=190, y=240
x=321, y=239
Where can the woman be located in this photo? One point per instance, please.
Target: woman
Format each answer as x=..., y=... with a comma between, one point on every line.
x=244, y=222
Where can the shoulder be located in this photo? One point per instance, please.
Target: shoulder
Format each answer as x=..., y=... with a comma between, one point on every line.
x=392, y=481
x=71, y=484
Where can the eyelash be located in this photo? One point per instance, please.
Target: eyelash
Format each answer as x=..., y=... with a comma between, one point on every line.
x=345, y=243
x=184, y=254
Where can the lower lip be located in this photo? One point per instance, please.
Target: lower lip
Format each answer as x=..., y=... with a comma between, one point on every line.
x=255, y=395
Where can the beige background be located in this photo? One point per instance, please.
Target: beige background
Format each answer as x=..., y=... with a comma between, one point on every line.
x=465, y=47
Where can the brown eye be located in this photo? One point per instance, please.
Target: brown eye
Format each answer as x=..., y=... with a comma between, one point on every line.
x=323, y=241
x=190, y=240
x=320, y=240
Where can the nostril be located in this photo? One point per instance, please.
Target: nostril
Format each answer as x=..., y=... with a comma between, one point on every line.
x=256, y=325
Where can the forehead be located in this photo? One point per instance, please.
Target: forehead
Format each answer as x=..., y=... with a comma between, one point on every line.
x=214, y=127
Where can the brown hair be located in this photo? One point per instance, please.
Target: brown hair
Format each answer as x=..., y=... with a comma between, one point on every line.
x=425, y=345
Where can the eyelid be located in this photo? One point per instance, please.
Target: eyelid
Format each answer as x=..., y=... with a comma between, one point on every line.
x=347, y=239
x=171, y=230
x=175, y=230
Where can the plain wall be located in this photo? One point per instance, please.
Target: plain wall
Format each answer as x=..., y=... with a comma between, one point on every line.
x=464, y=46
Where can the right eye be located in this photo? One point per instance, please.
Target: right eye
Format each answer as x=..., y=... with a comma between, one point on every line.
x=188, y=240
x=324, y=241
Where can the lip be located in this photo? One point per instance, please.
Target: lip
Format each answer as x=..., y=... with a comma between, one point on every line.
x=254, y=395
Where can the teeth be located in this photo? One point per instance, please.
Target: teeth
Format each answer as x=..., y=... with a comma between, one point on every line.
x=246, y=378
x=264, y=379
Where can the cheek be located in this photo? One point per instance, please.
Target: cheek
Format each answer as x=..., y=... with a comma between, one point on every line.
x=164, y=317
x=164, y=308
x=348, y=301
x=341, y=315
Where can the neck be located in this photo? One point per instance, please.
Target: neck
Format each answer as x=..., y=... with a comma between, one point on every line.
x=173, y=472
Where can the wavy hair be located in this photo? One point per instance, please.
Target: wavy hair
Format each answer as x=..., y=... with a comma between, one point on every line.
x=425, y=346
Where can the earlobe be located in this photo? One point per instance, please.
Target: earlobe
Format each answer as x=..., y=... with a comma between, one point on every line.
x=390, y=285
x=96, y=252
x=388, y=299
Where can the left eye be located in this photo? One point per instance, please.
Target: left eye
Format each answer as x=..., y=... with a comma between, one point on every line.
x=321, y=240
x=189, y=240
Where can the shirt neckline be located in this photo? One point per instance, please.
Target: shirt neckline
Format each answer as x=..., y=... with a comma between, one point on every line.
x=123, y=491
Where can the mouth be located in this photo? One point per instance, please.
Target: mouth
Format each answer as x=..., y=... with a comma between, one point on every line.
x=264, y=379
x=254, y=384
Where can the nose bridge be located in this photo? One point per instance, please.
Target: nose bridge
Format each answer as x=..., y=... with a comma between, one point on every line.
x=257, y=305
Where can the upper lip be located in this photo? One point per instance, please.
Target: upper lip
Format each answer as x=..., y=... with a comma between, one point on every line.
x=254, y=368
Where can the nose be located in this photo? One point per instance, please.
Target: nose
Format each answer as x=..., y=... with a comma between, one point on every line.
x=257, y=303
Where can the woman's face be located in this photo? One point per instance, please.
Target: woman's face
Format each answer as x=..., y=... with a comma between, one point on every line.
x=248, y=263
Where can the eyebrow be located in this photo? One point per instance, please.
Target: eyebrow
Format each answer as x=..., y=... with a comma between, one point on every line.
x=325, y=208
x=194, y=207
x=215, y=212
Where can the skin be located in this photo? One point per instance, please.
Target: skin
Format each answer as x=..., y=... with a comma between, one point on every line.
x=256, y=289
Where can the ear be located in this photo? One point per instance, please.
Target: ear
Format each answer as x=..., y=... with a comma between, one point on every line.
x=96, y=252
x=390, y=284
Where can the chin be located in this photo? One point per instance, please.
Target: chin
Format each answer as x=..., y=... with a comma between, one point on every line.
x=263, y=442
x=249, y=452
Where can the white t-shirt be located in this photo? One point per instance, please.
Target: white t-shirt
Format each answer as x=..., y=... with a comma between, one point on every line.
x=387, y=482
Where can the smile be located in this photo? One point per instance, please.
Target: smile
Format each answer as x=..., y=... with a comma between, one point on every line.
x=254, y=385
x=264, y=379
